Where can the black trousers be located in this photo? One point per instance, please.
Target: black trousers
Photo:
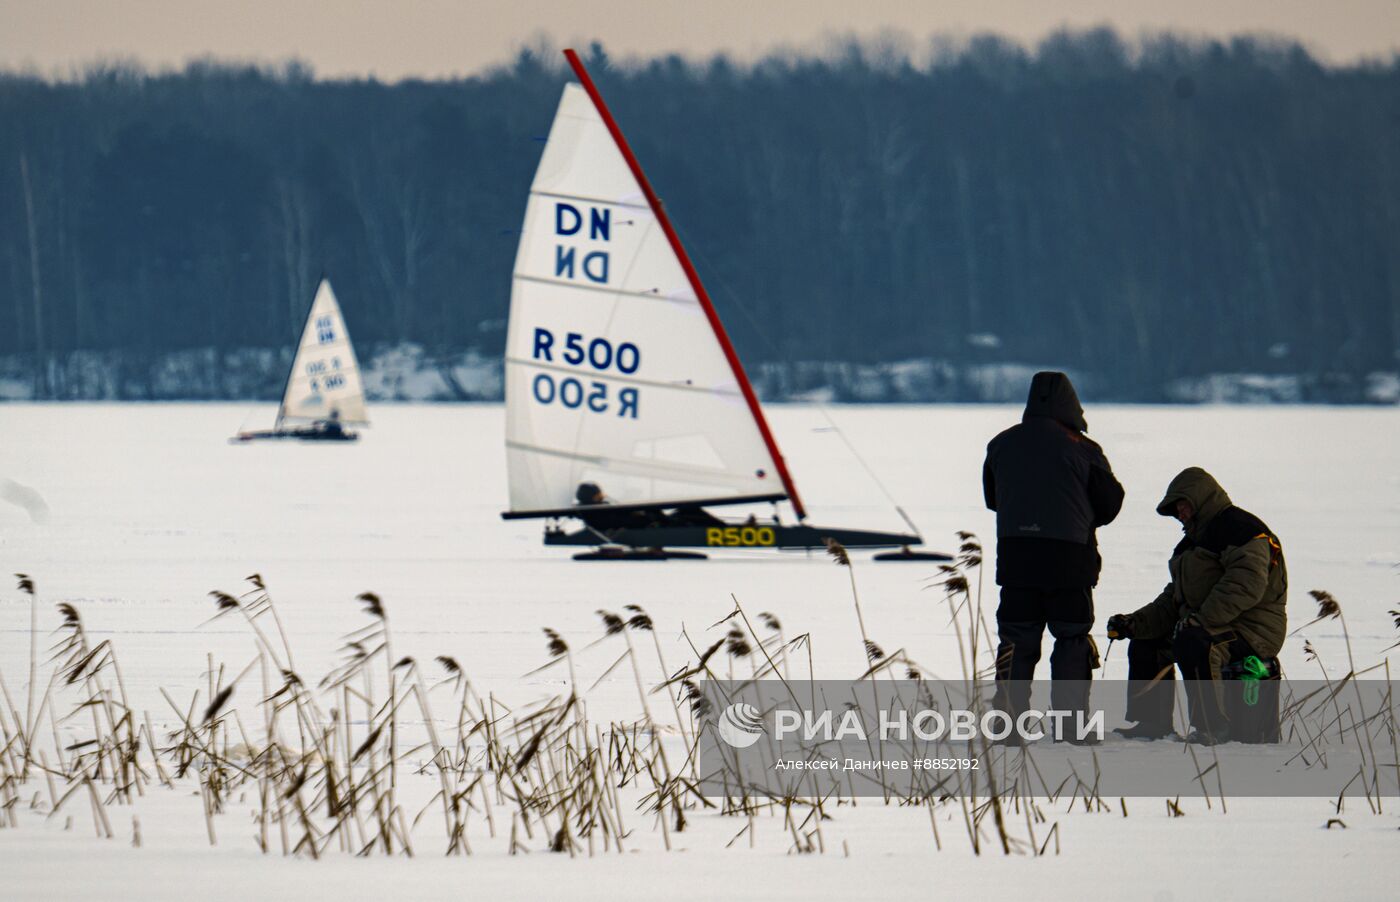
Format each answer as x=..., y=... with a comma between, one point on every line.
x=1197, y=653
x=1022, y=618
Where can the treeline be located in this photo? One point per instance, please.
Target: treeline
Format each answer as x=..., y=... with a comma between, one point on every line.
x=1145, y=212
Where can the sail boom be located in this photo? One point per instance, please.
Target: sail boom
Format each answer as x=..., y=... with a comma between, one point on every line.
x=750, y=397
x=579, y=510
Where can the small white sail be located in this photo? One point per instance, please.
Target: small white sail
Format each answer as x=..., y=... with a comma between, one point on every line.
x=615, y=374
x=325, y=376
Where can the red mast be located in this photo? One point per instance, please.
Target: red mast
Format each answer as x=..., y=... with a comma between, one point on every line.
x=705, y=304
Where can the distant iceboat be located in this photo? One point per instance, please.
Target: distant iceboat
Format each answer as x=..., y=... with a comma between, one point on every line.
x=323, y=393
x=619, y=374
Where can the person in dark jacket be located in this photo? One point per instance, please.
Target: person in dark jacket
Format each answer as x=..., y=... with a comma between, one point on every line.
x=1227, y=601
x=591, y=495
x=598, y=517
x=331, y=427
x=1051, y=488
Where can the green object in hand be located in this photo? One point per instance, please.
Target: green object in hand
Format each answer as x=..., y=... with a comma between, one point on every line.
x=1252, y=671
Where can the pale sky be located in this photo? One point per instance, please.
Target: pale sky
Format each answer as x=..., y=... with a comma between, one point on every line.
x=392, y=39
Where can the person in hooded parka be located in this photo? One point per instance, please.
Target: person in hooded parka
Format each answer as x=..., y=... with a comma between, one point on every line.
x=1052, y=487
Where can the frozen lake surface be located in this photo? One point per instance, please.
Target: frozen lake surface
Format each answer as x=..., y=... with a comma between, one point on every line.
x=151, y=509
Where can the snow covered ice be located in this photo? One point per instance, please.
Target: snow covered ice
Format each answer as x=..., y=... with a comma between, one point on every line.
x=150, y=509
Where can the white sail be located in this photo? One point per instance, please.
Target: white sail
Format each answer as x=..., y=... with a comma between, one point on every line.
x=325, y=377
x=614, y=374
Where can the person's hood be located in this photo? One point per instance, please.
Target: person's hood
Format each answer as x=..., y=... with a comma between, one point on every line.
x=1052, y=395
x=1198, y=487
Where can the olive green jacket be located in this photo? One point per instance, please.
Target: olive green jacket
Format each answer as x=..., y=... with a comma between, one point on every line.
x=1228, y=571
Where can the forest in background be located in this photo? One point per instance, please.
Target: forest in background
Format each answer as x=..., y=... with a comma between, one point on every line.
x=1139, y=212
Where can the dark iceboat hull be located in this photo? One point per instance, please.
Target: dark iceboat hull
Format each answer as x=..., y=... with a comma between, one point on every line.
x=308, y=434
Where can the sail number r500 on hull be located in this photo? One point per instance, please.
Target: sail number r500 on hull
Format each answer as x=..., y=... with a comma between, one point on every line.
x=739, y=536
x=597, y=354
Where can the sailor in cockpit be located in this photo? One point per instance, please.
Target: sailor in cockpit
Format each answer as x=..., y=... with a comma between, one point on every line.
x=590, y=494
x=331, y=425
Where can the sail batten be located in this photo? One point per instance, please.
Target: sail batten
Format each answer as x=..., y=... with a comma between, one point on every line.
x=639, y=206
x=606, y=316
x=649, y=294
x=324, y=382
x=732, y=391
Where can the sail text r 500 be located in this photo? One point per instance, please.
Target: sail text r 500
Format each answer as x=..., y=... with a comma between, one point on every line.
x=597, y=354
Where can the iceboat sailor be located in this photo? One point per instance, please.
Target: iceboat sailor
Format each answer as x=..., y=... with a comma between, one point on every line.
x=590, y=494
x=330, y=426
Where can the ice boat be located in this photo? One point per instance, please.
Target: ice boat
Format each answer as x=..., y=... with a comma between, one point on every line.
x=323, y=394
x=629, y=417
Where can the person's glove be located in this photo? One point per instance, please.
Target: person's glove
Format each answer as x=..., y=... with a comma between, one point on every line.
x=1120, y=626
x=1186, y=622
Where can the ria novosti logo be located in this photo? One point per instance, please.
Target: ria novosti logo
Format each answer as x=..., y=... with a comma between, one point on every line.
x=740, y=725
